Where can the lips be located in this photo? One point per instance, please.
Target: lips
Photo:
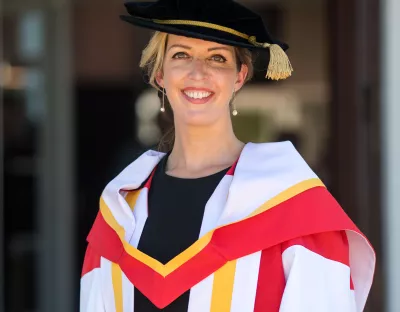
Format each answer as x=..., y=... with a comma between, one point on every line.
x=197, y=95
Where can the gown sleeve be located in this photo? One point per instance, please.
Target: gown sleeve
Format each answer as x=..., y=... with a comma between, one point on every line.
x=317, y=274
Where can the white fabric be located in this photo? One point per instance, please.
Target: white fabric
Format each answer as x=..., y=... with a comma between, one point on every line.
x=107, y=285
x=91, y=299
x=362, y=267
x=315, y=283
x=140, y=216
x=128, y=293
x=130, y=178
x=245, y=284
x=201, y=295
x=263, y=171
x=215, y=205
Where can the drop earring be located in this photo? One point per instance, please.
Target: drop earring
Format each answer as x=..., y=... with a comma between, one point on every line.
x=234, y=111
x=162, y=109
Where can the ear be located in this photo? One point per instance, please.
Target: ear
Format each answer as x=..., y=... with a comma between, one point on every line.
x=160, y=79
x=241, y=77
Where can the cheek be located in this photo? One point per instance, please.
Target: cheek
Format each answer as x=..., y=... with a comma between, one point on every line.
x=174, y=72
x=225, y=79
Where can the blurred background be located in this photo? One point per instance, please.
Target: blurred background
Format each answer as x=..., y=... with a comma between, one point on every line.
x=76, y=110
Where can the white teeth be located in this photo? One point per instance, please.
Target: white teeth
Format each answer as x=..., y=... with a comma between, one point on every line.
x=197, y=94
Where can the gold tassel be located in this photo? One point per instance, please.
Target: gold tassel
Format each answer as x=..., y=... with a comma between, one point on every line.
x=279, y=66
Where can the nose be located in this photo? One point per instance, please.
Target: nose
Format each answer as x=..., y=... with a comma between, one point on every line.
x=198, y=70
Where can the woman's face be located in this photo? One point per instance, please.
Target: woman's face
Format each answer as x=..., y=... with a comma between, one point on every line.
x=199, y=78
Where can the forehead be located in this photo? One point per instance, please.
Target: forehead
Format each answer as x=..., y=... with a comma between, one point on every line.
x=195, y=43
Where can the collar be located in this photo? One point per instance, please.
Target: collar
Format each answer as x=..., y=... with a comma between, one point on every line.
x=262, y=172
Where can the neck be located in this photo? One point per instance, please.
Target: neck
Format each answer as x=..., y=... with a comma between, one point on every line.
x=203, y=150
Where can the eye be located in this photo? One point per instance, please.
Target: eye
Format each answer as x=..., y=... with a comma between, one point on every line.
x=218, y=58
x=180, y=55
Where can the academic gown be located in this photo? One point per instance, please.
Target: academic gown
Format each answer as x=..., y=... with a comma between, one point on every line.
x=272, y=239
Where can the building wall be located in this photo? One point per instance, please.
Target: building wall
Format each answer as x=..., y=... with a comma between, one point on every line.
x=104, y=46
x=306, y=32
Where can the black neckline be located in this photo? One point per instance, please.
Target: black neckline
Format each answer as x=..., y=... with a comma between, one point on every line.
x=163, y=164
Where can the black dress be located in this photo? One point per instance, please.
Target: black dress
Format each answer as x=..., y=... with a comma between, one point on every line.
x=176, y=208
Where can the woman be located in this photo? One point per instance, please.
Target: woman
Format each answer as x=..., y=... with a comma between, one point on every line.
x=215, y=224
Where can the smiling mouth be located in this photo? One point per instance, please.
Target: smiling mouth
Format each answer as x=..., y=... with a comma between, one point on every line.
x=197, y=96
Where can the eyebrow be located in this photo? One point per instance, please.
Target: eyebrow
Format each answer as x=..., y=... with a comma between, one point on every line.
x=220, y=48
x=179, y=46
x=189, y=48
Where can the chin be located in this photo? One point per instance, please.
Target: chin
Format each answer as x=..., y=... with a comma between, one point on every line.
x=199, y=119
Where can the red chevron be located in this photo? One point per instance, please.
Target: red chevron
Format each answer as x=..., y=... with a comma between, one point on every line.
x=313, y=211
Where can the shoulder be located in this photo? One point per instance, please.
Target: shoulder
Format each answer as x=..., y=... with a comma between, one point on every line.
x=331, y=245
x=323, y=254
x=137, y=166
x=279, y=159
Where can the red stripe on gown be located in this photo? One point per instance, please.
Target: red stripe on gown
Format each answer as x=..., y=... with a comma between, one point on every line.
x=271, y=281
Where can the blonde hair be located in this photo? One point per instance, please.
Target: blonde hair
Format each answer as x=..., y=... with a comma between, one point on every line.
x=152, y=62
x=153, y=58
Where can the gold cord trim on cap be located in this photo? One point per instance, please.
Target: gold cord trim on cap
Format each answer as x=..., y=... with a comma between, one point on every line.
x=251, y=39
x=279, y=66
